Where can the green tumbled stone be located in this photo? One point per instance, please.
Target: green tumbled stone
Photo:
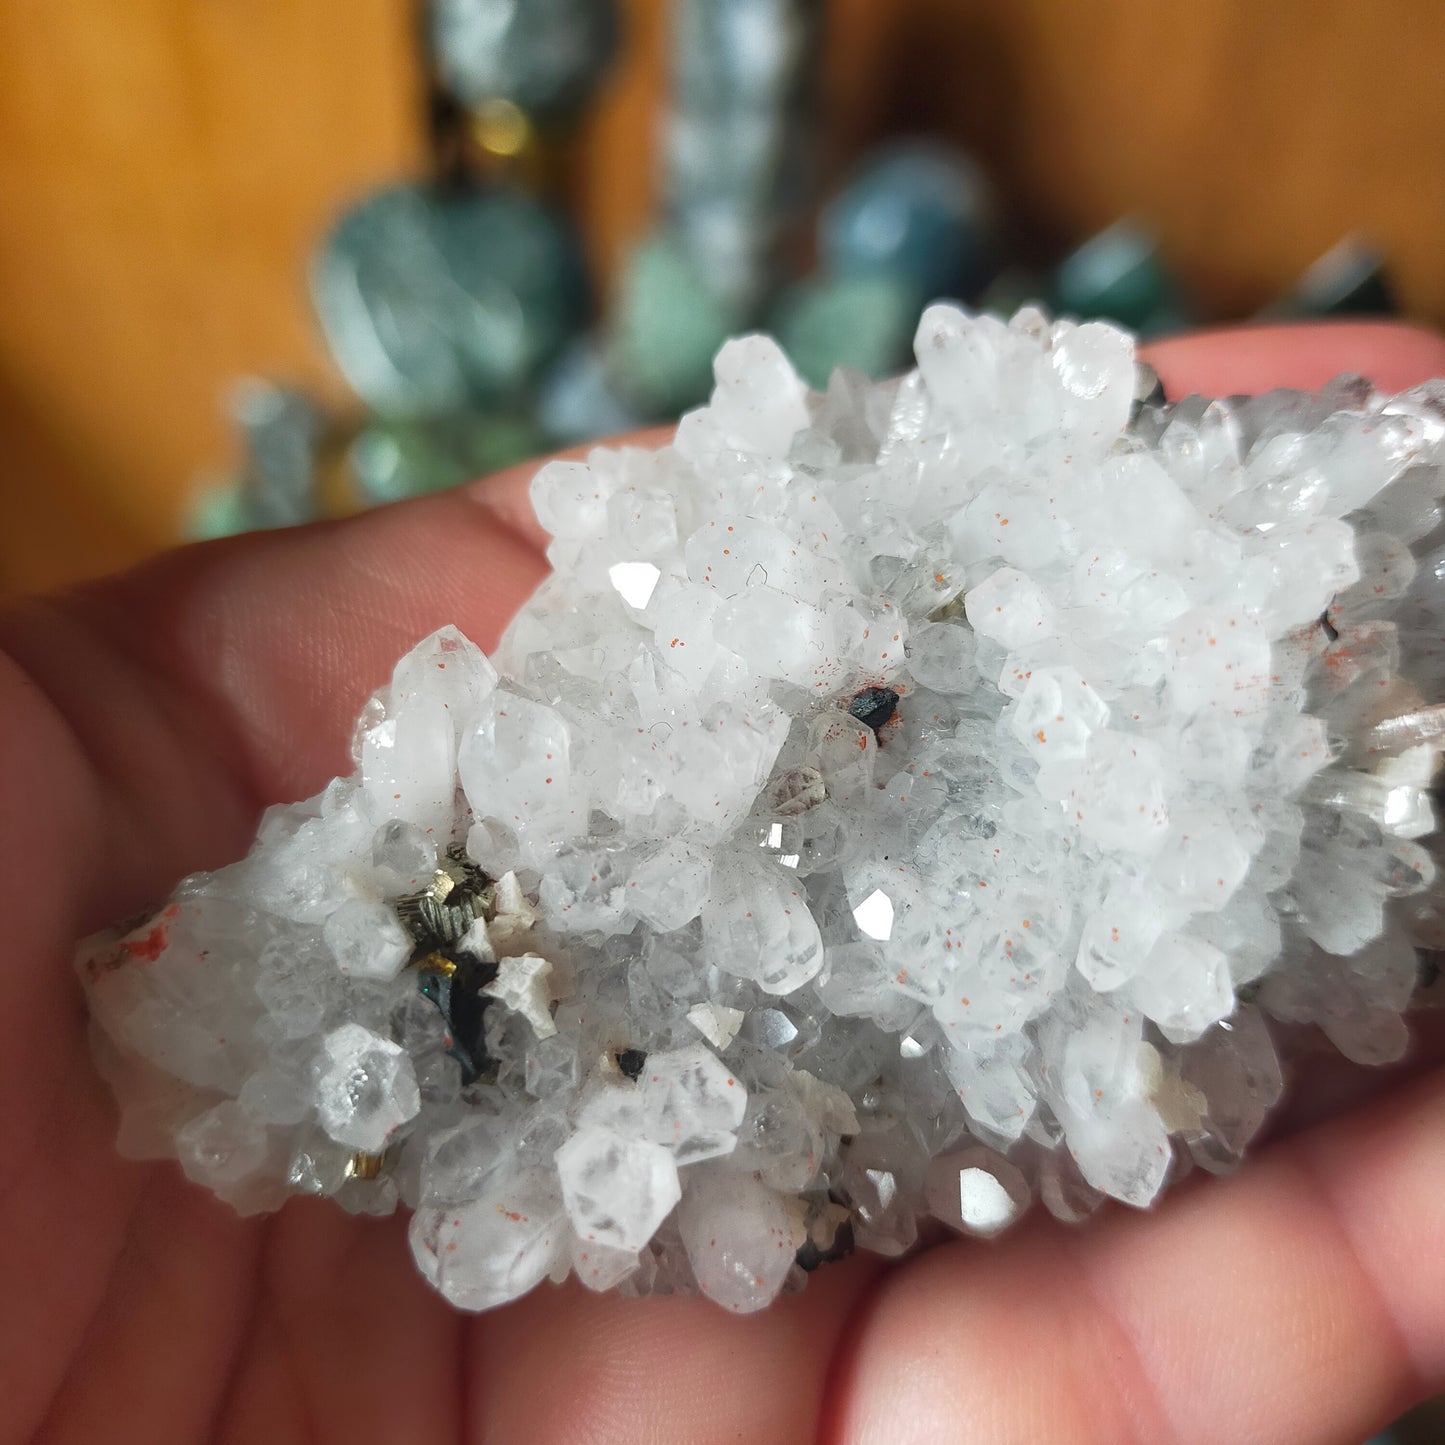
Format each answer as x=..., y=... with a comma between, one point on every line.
x=915, y=210
x=862, y=322
x=392, y=458
x=435, y=298
x=667, y=325
x=219, y=511
x=1348, y=280
x=1118, y=276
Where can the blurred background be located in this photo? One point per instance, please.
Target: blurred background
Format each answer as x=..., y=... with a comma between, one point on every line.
x=260, y=261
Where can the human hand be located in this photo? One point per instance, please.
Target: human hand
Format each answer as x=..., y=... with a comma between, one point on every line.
x=149, y=719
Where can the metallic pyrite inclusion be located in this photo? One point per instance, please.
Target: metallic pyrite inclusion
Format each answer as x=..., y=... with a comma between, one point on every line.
x=902, y=801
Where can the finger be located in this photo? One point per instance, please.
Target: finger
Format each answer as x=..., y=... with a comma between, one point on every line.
x=171, y=1312
x=178, y=700
x=1251, y=359
x=661, y=1370
x=1297, y=1302
x=346, y=1333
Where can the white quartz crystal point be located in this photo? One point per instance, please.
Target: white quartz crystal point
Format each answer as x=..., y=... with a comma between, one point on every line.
x=409, y=759
x=1010, y=608
x=976, y=1191
x=1094, y=365
x=716, y=1022
x=225, y=1150
x=760, y=401
x=669, y=886
x=516, y=766
x=740, y=1236
x=617, y=1190
x=1123, y=1152
x=367, y=940
x=941, y=655
x=365, y=1088
x=1184, y=986
x=977, y=368
x=403, y=857
x=494, y=1248
x=692, y=1103
x=687, y=1100
x=757, y=924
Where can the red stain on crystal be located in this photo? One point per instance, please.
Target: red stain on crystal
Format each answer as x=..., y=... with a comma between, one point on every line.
x=151, y=946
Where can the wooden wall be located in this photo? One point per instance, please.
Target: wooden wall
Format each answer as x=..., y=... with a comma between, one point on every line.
x=167, y=165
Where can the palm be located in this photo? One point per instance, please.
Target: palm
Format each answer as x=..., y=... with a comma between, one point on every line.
x=149, y=719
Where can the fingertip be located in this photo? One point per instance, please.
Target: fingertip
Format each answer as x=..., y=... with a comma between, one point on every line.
x=1394, y=355
x=277, y=638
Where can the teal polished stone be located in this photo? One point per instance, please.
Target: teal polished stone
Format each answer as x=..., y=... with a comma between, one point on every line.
x=546, y=56
x=916, y=211
x=1118, y=275
x=392, y=459
x=219, y=511
x=666, y=325
x=433, y=299
x=579, y=400
x=865, y=323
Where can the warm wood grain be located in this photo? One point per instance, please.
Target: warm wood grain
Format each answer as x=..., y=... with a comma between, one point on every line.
x=1251, y=136
x=166, y=167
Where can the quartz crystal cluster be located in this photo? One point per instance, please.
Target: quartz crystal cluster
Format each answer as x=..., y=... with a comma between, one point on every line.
x=908, y=801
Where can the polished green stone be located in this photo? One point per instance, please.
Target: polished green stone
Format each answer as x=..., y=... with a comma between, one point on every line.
x=219, y=511
x=862, y=322
x=915, y=211
x=666, y=326
x=437, y=298
x=395, y=458
x=1118, y=275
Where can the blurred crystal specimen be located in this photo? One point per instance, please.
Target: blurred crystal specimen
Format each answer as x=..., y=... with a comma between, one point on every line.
x=545, y=56
x=282, y=431
x=905, y=801
x=737, y=137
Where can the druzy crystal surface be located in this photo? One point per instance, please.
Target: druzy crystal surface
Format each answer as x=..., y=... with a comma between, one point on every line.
x=909, y=801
